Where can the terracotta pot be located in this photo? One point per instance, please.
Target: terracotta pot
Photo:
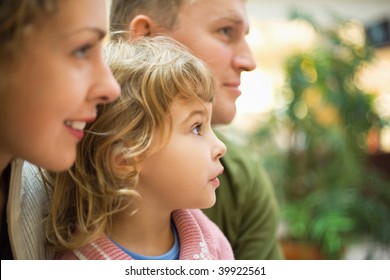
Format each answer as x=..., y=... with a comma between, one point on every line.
x=298, y=250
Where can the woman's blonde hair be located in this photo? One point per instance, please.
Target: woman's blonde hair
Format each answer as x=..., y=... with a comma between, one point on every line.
x=152, y=72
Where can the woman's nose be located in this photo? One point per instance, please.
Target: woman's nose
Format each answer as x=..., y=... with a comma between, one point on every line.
x=107, y=88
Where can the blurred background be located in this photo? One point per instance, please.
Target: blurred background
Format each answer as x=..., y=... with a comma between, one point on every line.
x=316, y=111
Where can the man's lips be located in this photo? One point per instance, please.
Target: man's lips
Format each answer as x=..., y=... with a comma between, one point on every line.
x=232, y=84
x=233, y=87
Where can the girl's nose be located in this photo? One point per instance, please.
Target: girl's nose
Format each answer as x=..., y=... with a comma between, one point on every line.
x=220, y=148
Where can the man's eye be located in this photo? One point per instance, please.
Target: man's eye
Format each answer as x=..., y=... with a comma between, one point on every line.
x=197, y=129
x=226, y=31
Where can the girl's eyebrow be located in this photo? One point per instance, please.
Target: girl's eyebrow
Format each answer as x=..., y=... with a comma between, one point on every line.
x=194, y=113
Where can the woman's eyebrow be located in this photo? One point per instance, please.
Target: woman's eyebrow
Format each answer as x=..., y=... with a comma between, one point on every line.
x=100, y=32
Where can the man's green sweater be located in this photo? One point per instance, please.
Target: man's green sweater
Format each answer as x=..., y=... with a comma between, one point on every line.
x=246, y=209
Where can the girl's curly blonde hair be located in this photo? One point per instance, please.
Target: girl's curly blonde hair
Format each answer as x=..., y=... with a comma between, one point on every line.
x=152, y=72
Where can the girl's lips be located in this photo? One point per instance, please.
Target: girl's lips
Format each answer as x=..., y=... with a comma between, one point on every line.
x=215, y=182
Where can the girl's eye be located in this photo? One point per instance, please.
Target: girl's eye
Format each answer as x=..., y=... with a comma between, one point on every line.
x=82, y=52
x=197, y=129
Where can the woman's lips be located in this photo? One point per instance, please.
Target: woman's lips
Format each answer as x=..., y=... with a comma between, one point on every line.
x=76, y=128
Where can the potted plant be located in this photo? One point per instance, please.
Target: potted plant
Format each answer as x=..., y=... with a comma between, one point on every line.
x=328, y=193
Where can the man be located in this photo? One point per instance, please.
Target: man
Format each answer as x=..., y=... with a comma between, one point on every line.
x=214, y=30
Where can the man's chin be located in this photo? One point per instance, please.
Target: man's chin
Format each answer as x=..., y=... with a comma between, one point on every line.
x=223, y=118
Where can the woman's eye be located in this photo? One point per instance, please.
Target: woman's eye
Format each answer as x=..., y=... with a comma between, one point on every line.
x=82, y=52
x=197, y=129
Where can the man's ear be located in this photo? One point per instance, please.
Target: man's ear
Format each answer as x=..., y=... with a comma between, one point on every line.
x=142, y=25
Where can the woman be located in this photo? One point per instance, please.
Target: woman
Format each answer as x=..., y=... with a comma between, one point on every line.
x=53, y=77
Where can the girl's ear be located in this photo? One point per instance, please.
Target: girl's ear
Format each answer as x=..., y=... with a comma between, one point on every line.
x=124, y=167
x=142, y=25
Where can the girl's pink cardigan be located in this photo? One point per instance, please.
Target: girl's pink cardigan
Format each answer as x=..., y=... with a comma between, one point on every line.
x=200, y=239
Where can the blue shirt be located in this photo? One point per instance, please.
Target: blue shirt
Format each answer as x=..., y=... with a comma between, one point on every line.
x=172, y=254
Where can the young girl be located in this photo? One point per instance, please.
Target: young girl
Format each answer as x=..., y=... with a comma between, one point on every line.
x=52, y=77
x=246, y=209
x=149, y=157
